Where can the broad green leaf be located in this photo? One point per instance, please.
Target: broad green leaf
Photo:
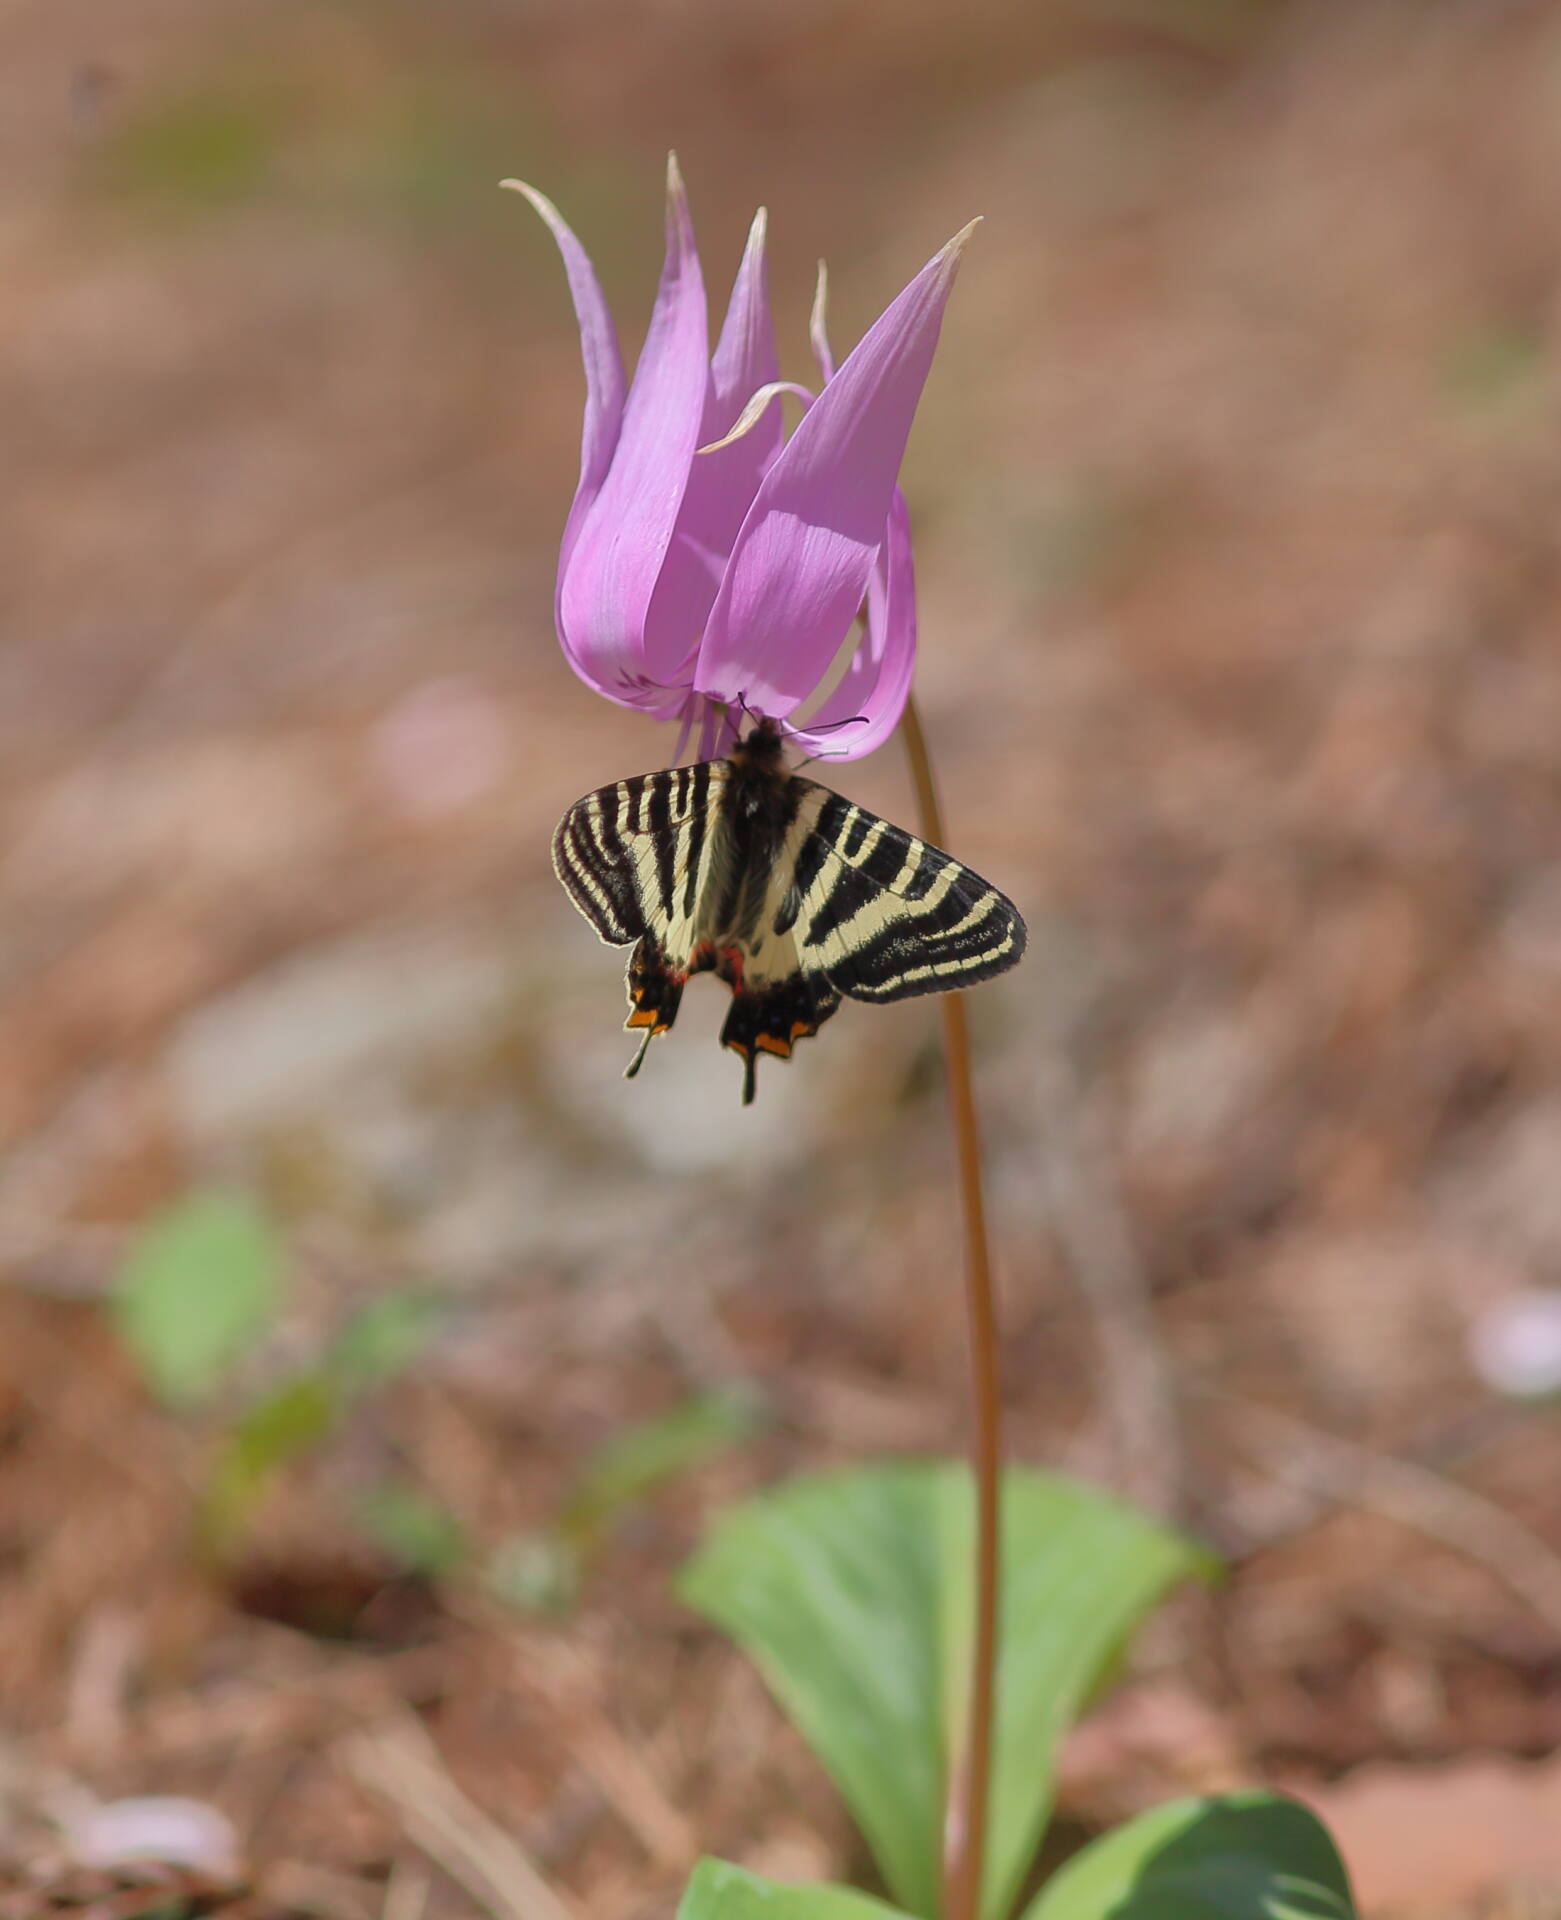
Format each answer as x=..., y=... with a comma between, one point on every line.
x=202, y=1282
x=716, y=1891
x=1246, y=1856
x=852, y=1592
x=635, y=1462
x=832, y=1586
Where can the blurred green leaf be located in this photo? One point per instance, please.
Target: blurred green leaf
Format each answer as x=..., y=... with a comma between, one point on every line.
x=635, y=1462
x=201, y=152
x=415, y=1529
x=1493, y=365
x=383, y=1339
x=716, y=1891
x=379, y=1342
x=542, y=1572
x=534, y=1573
x=202, y=1282
x=852, y=1592
x=449, y=135
x=1247, y=1856
x=278, y=1428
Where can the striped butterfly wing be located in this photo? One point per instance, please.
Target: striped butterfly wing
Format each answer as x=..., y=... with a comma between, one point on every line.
x=881, y=914
x=846, y=904
x=634, y=857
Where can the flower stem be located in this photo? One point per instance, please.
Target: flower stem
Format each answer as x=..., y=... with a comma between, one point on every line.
x=965, y=1823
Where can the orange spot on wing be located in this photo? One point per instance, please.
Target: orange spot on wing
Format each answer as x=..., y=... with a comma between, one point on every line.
x=772, y=1043
x=641, y=1017
x=800, y=1030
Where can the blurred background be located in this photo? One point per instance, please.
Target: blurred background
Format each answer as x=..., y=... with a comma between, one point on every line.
x=1234, y=493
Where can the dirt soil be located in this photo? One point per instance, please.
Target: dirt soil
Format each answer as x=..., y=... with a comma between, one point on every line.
x=1234, y=494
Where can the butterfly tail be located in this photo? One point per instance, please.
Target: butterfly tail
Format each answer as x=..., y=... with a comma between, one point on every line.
x=655, y=991
x=772, y=1018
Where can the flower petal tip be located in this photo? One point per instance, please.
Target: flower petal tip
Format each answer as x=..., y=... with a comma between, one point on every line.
x=951, y=253
x=680, y=221
x=751, y=414
x=538, y=200
x=818, y=324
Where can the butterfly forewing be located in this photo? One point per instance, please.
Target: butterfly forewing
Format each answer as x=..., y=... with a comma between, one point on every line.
x=635, y=857
x=883, y=915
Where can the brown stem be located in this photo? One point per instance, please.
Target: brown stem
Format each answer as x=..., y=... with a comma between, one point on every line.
x=965, y=1824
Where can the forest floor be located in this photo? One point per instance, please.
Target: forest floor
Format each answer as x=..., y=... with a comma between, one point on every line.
x=1242, y=656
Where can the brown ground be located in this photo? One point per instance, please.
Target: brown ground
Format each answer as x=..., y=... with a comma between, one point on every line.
x=1235, y=495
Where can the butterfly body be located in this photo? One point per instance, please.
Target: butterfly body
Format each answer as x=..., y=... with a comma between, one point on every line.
x=789, y=893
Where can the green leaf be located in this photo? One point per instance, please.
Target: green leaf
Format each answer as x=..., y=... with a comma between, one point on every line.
x=412, y=1527
x=202, y=1282
x=635, y=1462
x=286, y=1423
x=716, y=1891
x=1247, y=1856
x=202, y=153
x=383, y=1339
x=852, y=1592
x=543, y=1572
x=1495, y=365
x=534, y=1573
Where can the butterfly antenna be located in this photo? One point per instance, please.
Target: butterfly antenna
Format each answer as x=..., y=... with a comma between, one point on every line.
x=746, y=711
x=638, y=1061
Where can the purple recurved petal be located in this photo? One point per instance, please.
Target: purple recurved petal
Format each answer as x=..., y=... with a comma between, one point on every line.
x=801, y=562
x=875, y=684
x=721, y=485
x=623, y=537
x=603, y=363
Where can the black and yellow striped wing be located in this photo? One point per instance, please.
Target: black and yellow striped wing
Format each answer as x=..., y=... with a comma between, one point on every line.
x=790, y=894
x=635, y=857
x=881, y=914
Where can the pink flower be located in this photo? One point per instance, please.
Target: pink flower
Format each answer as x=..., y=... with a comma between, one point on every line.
x=710, y=565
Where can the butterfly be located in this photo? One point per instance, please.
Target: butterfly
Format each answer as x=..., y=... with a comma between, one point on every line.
x=789, y=893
